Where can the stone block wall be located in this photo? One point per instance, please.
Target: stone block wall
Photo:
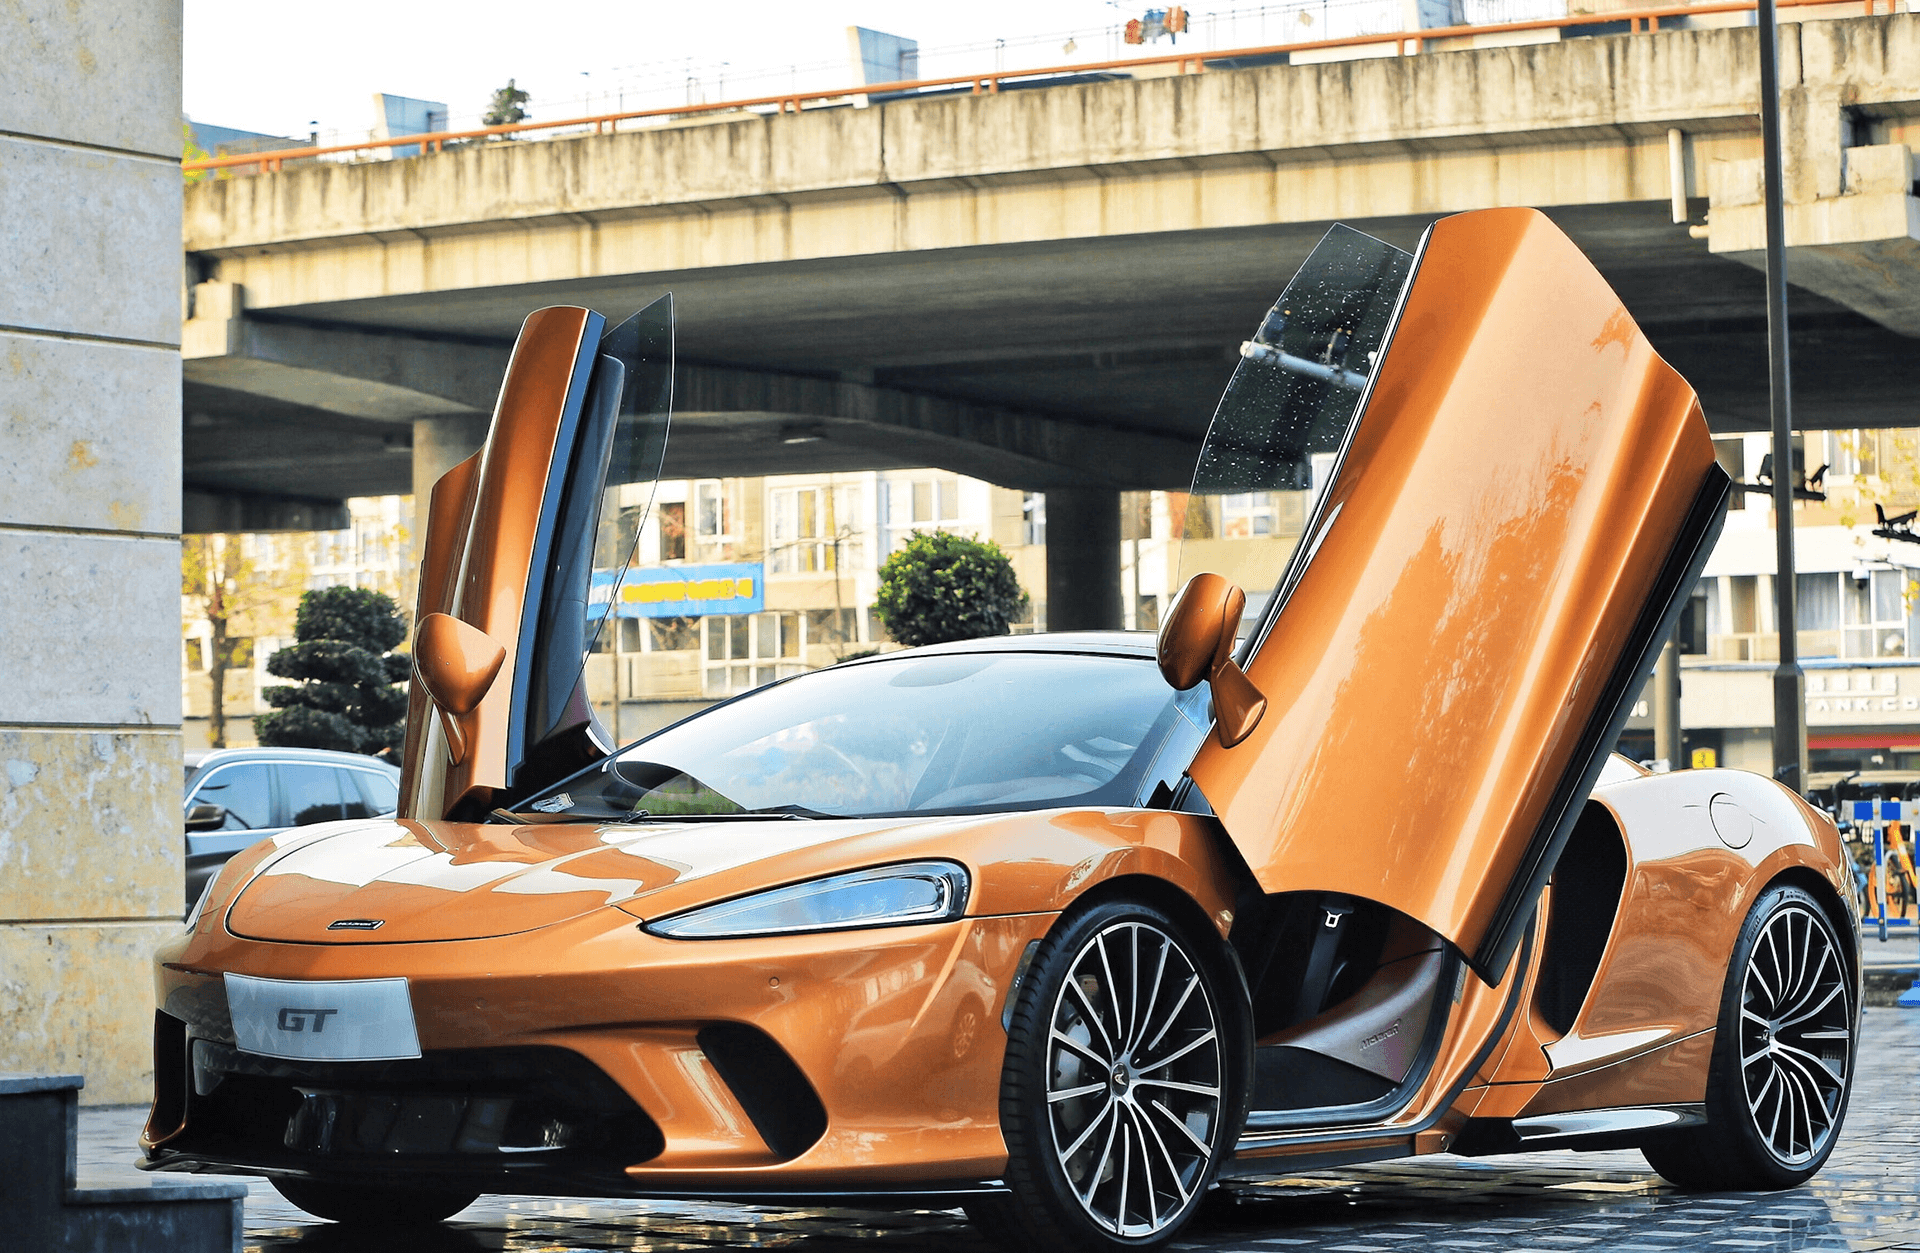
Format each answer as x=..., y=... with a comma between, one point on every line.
x=91, y=849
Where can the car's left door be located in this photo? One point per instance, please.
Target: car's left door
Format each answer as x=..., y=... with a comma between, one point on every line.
x=514, y=537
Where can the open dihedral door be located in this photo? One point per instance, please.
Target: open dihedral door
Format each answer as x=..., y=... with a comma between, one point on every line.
x=510, y=604
x=1509, y=495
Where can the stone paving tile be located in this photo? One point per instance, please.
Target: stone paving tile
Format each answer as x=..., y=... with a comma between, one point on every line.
x=1867, y=1198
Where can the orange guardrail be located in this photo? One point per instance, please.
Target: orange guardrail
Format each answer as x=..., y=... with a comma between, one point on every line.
x=1638, y=20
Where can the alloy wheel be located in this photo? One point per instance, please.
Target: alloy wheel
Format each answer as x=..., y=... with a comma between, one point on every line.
x=1796, y=1028
x=1134, y=1078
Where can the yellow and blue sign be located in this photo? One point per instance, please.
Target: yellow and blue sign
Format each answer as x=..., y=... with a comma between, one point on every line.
x=682, y=591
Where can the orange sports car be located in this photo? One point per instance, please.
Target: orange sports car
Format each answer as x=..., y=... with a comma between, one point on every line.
x=1064, y=929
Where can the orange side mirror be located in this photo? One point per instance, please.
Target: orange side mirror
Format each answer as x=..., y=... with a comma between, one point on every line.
x=456, y=663
x=1196, y=642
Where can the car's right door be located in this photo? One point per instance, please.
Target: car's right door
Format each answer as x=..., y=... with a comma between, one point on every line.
x=1508, y=496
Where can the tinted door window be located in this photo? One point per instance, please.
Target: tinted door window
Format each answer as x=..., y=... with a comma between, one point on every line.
x=312, y=792
x=245, y=791
x=381, y=793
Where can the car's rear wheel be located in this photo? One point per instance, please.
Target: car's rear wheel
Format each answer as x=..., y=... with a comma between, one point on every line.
x=1782, y=1057
x=370, y=1206
x=1122, y=1092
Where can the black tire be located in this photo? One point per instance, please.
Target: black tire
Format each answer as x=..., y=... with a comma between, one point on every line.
x=1783, y=1059
x=1164, y=1075
x=369, y=1206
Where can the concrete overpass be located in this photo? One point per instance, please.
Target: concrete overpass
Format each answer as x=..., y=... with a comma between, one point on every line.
x=1040, y=288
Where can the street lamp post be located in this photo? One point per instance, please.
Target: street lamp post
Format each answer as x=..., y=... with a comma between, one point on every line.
x=1789, y=683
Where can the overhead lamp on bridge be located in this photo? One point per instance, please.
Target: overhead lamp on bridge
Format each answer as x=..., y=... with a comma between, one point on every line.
x=809, y=434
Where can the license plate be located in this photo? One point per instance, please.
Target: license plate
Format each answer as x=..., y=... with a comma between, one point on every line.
x=343, y=1020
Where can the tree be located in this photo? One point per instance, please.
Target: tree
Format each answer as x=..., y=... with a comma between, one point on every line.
x=505, y=107
x=224, y=581
x=348, y=699
x=942, y=587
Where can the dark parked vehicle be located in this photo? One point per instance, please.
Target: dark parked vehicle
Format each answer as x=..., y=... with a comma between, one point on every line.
x=238, y=796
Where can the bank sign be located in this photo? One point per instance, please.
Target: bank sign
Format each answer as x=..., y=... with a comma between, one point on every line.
x=682, y=591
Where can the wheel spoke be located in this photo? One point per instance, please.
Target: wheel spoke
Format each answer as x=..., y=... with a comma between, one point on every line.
x=1146, y=1166
x=1812, y=985
x=1126, y=1173
x=1153, y=995
x=1753, y=968
x=1181, y=1052
x=1817, y=1072
x=1092, y=1014
x=1198, y=1089
x=1067, y=1094
x=1086, y=1051
x=1087, y=1132
x=1181, y=1123
x=1166, y=1155
x=1121, y=1022
x=1173, y=1015
x=1099, y=1170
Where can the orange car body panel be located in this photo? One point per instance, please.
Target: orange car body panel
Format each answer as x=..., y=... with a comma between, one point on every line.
x=1645, y=1032
x=1482, y=558
x=874, y=1018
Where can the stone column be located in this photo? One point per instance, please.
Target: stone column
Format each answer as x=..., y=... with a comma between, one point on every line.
x=1083, y=559
x=1663, y=692
x=91, y=846
x=439, y=444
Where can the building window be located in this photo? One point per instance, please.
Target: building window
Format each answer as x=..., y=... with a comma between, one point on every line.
x=1033, y=518
x=815, y=529
x=744, y=651
x=712, y=512
x=1246, y=515
x=673, y=530
x=1861, y=614
x=913, y=505
x=1853, y=454
x=836, y=628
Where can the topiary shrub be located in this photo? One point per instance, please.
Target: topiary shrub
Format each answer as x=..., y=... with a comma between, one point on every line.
x=943, y=587
x=349, y=698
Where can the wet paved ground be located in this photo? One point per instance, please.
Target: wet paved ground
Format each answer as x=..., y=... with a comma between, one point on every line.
x=1868, y=1197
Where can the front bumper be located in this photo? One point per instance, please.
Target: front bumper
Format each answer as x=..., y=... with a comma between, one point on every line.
x=591, y=1057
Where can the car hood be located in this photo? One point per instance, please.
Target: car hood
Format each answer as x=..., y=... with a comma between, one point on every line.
x=407, y=881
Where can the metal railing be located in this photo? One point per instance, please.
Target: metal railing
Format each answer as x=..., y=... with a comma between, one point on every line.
x=1637, y=21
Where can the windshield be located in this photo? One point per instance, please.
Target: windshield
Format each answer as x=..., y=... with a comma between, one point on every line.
x=1275, y=440
x=948, y=733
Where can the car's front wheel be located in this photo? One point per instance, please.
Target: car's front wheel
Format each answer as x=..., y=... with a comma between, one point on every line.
x=374, y=1206
x=1782, y=1056
x=1122, y=1092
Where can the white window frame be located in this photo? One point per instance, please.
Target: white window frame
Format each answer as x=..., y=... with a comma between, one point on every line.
x=728, y=675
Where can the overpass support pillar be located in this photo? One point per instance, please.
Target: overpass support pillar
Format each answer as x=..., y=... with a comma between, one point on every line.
x=439, y=444
x=1083, y=559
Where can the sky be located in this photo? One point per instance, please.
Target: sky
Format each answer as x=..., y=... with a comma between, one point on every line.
x=287, y=69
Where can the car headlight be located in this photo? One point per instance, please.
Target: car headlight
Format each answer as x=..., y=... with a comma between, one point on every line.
x=886, y=896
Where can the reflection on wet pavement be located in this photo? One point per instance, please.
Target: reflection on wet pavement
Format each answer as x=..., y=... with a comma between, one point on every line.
x=1868, y=1197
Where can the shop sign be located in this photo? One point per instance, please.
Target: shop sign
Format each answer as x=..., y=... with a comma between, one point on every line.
x=682, y=591
x=1862, y=696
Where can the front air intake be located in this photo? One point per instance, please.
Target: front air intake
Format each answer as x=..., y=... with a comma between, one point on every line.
x=776, y=1096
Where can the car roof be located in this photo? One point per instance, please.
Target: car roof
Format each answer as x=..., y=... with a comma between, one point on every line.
x=311, y=756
